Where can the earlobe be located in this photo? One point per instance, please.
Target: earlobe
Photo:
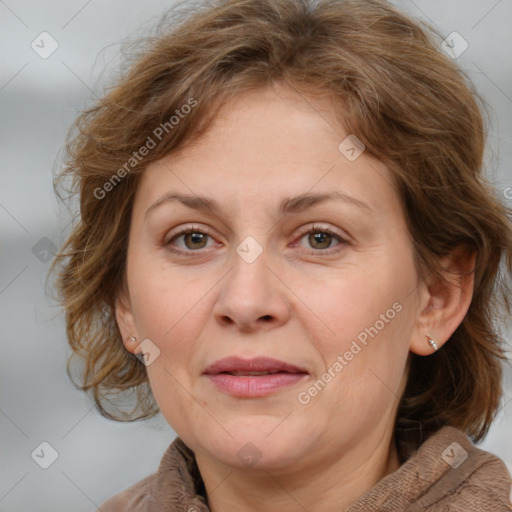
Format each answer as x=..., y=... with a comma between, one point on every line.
x=446, y=301
x=432, y=342
x=125, y=323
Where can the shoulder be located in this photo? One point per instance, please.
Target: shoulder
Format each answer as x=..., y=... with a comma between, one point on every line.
x=134, y=498
x=176, y=485
x=487, y=488
x=446, y=472
x=472, y=479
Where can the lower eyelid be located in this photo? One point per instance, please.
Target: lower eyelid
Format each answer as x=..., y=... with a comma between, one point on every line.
x=341, y=241
x=176, y=236
x=197, y=229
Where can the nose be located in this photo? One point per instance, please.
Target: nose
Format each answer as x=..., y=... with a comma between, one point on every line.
x=252, y=297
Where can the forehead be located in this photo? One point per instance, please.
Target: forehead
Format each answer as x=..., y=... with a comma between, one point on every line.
x=264, y=146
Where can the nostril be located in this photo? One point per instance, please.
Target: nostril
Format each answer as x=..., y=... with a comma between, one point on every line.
x=227, y=320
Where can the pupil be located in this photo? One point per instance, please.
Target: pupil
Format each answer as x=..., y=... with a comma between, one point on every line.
x=195, y=238
x=324, y=239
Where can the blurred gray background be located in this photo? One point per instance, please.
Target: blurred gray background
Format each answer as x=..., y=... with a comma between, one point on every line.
x=53, y=60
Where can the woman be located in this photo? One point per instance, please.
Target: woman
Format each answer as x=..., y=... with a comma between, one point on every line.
x=349, y=375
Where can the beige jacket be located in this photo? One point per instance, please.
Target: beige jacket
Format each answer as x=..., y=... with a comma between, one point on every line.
x=447, y=473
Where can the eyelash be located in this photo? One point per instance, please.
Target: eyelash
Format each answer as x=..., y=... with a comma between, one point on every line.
x=196, y=229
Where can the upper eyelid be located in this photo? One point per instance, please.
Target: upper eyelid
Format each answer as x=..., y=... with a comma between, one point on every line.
x=181, y=230
x=315, y=226
x=206, y=230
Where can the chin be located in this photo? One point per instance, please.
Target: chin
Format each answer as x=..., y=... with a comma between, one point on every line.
x=257, y=444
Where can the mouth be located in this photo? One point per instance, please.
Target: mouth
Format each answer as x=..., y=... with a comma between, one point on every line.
x=251, y=378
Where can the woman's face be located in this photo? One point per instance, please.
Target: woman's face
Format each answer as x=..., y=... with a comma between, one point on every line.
x=302, y=272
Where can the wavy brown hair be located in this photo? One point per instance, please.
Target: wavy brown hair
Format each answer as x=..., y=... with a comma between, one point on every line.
x=389, y=84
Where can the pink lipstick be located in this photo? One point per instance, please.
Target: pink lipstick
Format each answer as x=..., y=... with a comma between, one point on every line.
x=251, y=378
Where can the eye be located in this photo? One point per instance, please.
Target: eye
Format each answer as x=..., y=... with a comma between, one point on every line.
x=188, y=239
x=191, y=240
x=321, y=239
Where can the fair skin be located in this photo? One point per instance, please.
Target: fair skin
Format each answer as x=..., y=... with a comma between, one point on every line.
x=303, y=300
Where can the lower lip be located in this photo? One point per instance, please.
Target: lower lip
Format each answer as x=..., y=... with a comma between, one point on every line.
x=254, y=386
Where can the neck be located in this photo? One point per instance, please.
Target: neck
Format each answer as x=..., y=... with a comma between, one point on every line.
x=332, y=484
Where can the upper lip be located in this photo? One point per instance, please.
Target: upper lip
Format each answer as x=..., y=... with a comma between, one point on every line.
x=256, y=364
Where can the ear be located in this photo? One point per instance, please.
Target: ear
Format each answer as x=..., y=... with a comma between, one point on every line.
x=126, y=322
x=444, y=301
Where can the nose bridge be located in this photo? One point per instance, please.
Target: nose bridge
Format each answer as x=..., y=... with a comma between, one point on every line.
x=251, y=294
x=248, y=279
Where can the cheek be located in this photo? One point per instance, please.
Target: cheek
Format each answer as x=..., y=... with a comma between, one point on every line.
x=363, y=336
x=164, y=299
x=171, y=311
x=355, y=306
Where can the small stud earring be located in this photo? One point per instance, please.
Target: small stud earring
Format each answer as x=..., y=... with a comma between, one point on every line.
x=432, y=342
x=132, y=338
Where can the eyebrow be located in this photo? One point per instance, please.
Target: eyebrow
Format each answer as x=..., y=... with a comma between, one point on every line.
x=288, y=205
